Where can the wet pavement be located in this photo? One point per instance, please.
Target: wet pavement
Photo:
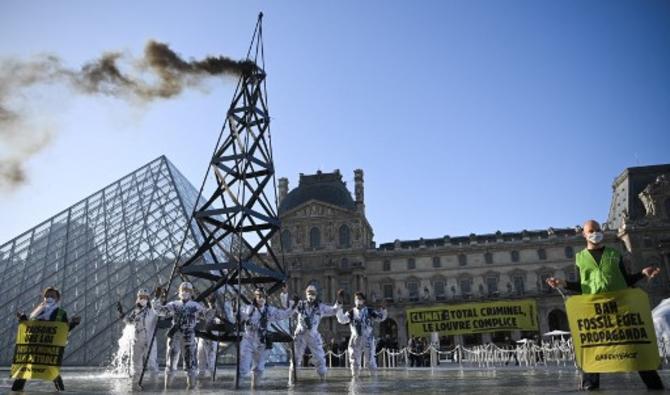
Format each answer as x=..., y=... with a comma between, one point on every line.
x=507, y=381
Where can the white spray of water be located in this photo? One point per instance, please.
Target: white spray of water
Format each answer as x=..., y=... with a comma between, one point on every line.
x=123, y=357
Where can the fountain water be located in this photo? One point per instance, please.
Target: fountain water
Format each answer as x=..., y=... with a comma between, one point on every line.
x=122, y=358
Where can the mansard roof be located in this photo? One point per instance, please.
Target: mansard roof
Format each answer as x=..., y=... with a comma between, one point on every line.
x=324, y=187
x=480, y=239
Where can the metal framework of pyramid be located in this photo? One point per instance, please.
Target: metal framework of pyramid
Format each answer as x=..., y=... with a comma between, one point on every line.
x=97, y=252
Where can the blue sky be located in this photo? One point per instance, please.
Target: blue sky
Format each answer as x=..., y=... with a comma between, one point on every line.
x=466, y=116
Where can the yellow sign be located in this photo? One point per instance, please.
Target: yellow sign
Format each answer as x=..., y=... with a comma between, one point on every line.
x=613, y=332
x=39, y=350
x=473, y=318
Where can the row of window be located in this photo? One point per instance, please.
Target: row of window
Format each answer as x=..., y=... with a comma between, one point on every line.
x=344, y=238
x=488, y=258
x=517, y=286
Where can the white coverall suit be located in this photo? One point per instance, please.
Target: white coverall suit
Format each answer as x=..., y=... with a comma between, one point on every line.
x=144, y=320
x=253, y=347
x=362, y=338
x=181, y=336
x=307, y=332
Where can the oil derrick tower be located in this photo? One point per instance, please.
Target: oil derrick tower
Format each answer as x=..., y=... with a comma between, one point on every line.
x=238, y=219
x=236, y=214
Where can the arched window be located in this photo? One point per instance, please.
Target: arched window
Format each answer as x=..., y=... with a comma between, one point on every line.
x=492, y=285
x=286, y=240
x=345, y=236
x=387, y=291
x=465, y=284
x=440, y=289
x=519, y=284
x=515, y=256
x=569, y=252
x=412, y=290
x=315, y=238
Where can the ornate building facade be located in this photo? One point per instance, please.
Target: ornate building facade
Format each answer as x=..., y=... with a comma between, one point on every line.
x=327, y=241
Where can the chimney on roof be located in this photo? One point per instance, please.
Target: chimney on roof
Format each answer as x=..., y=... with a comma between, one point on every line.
x=359, y=191
x=282, y=189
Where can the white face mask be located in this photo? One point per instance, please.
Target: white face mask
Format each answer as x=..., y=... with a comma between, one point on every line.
x=185, y=295
x=595, y=237
x=359, y=302
x=260, y=301
x=311, y=297
x=142, y=302
x=49, y=301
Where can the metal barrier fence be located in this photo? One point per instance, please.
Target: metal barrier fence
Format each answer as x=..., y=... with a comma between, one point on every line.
x=558, y=353
x=485, y=355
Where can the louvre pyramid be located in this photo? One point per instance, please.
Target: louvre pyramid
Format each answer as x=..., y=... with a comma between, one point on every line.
x=97, y=252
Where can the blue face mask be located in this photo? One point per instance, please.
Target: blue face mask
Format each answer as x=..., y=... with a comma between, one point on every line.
x=49, y=301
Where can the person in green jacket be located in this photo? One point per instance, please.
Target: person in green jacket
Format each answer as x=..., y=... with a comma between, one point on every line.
x=48, y=310
x=601, y=269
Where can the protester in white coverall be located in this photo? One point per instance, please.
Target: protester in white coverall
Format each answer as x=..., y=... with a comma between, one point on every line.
x=143, y=319
x=256, y=345
x=310, y=312
x=362, y=341
x=185, y=313
x=661, y=317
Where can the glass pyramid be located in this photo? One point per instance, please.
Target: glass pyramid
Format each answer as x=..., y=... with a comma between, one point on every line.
x=97, y=252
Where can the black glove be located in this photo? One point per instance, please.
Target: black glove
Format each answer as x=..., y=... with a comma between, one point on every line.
x=161, y=295
x=21, y=316
x=296, y=299
x=119, y=308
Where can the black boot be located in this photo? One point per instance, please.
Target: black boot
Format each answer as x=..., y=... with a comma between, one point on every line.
x=18, y=384
x=590, y=381
x=58, y=382
x=651, y=379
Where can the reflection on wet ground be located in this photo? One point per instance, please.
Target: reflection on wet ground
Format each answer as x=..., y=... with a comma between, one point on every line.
x=507, y=381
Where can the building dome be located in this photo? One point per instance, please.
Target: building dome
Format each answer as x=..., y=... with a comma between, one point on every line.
x=324, y=187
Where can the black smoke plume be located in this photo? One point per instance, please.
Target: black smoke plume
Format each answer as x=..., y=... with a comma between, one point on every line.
x=160, y=73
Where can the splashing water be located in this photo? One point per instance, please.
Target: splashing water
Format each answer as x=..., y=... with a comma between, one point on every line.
x=122, y=358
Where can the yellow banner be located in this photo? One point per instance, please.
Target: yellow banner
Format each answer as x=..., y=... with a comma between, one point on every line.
x=39, y=350
x=473, y=318
x=613, y=332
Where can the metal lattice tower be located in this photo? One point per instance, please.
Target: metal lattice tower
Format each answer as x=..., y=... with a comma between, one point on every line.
x=239, y=218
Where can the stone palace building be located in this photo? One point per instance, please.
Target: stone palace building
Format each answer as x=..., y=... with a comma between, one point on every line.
x=328, y=241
